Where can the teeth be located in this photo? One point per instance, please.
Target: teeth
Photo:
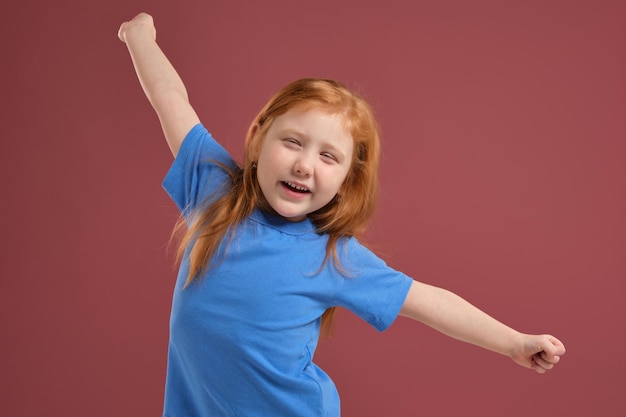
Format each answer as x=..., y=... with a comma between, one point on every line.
x=295, y=187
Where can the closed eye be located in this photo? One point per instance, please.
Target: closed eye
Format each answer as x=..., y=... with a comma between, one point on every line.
x=291, y=142
x=329, y=156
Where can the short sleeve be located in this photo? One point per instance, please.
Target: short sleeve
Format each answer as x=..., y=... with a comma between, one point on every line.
x=373, y=290
x=198, y=170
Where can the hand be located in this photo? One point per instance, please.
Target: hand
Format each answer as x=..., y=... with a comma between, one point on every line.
x=539, y=352
x=141, y=22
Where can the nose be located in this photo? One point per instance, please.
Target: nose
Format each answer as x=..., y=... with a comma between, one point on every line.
x=303, y=165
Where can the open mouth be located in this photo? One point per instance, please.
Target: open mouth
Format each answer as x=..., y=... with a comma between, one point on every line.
x=296, y=188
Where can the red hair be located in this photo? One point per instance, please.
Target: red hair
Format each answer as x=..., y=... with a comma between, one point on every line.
x=344, y=216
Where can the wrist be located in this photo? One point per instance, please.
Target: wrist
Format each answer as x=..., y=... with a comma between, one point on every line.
x=515, y=346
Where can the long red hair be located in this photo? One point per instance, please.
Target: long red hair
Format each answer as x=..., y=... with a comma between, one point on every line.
x=345, y=216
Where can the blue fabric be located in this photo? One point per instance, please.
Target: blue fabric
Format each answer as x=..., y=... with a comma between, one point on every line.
x=242, y=338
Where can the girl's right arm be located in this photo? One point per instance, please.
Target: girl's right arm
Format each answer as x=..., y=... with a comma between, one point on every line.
x=160, y=81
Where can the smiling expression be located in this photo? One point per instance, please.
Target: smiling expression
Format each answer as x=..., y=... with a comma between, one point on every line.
x=303, y=161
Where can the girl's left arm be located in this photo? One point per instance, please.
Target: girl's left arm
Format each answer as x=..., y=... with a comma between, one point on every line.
x=452, y=315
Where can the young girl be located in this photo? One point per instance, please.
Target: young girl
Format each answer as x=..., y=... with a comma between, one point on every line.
x=270, y=249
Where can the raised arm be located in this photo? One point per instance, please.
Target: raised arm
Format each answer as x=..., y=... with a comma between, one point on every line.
x=450, y=314
x=160, y=81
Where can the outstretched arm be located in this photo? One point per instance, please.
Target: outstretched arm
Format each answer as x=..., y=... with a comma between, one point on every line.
x=160, y=81
x=450, y=314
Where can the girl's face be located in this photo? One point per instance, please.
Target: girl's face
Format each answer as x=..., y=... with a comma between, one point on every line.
x=304, y=158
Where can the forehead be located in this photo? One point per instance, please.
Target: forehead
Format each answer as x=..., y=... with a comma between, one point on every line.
x=309, y=119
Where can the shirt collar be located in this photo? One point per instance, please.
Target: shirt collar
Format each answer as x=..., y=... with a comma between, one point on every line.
x=280, y=223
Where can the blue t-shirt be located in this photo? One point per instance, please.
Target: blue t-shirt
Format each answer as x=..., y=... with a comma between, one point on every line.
x=242, y=337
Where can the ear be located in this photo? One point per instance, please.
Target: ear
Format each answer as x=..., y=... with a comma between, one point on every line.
x=255, y=142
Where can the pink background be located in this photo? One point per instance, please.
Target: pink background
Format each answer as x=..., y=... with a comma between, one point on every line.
x=503, y=179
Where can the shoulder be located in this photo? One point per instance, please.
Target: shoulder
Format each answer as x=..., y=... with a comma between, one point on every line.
x=372, y=289
x=200, y=145
x=363, y=266
x=201, y=168
x=352, y=251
